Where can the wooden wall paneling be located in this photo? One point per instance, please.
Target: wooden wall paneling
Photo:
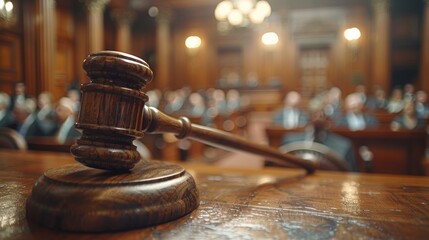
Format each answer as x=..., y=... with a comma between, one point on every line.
x=81, y=48
x=11, y=48
x=11, y=61
x=64, y=58
x=381, y=44
x=30, y=73
x=424, y=65
x=46, y=43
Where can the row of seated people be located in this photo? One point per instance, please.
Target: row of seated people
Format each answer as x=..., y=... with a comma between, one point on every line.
x=217, y=108
x=204, y=104
x=40, y=117
x=350, y=113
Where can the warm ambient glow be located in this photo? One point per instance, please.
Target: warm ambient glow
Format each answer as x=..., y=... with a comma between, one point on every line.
x=193, y=42
x=270, y=38
x=352, y=34
x=242, y=12
x=8, y=6
x=6, y=9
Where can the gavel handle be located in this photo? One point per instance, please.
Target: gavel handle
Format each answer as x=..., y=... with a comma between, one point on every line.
x=154, y=121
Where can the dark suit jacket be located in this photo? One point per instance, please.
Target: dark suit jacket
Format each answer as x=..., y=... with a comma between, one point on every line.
x=279, y=117
x=7, y=120
x=342, y=146
x=370, y=121
x=421, y=123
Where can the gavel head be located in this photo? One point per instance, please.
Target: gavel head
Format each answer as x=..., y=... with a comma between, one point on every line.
x=111, y=111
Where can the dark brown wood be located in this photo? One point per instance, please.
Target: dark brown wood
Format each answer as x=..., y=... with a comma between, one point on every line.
x=395, y=152
x=48, y=144
x=270, y=203
x=11, y=139
x=158, y=122
x=78, y=198
x=112, y=114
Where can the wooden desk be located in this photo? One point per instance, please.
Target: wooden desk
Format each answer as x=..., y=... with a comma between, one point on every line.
x=394, y=152
x=248, y=204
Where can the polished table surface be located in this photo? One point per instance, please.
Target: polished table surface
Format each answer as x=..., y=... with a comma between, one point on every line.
x=247, y=204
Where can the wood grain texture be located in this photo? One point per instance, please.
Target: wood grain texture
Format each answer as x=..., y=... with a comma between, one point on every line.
x=78, y=198
x=113, y=113
x=273, y=203
x=394, y=152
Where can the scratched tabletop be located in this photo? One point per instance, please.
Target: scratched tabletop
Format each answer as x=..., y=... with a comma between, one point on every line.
x=271, y=203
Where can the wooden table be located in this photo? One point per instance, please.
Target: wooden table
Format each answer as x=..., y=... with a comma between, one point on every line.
x=247, y=204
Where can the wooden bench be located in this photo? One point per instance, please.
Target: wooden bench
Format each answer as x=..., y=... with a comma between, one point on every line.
x=50, y=144
x=394, y=152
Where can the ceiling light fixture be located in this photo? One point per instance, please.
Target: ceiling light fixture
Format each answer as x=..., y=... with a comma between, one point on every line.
x=241, y=13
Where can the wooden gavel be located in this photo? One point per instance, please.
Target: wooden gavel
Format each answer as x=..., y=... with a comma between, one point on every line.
x=113, y=114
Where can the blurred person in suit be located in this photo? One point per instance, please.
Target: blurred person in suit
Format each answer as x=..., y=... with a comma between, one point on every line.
x=332, y=102
x=409, y=92
x=408, y=119
x=378, y=100
x=41, y=122
x=66, y=120
x=74, y=95
x=422, y=106
x=318, y=131
x=354, y=118
x=396, y=101
x=291, y=115
x=6, y=119
x=19, y=96
x=21, y=112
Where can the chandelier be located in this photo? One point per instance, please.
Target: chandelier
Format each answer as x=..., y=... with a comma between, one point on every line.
x=6, y=9
x=241, y=13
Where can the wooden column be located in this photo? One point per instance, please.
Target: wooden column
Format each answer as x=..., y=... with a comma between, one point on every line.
x=46, y=43
x=381, y=45
x=424, y=68
x=95, y=24
x=29, y=42
x=163, y=38
x=123, y=18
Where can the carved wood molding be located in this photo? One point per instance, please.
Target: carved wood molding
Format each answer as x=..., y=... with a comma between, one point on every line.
x=380, y=5
x=96, y=4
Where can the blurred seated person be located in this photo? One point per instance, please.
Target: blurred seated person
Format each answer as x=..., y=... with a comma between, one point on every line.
x=19, y=96
x=232, y=100
x=354, y=118
x=196, y=106
x=291, y=116
x=41, y=122
x=66, y=120
x=408, y=119
x=74, y=95
x=6, y=119
x=175, y=101
x=422, y=106
x=332, y=102
x=155, y=97
x=378, y=101
x=409, y=92
x=361, y=91
x=318, y=132
x=396, y=101
x=21, y=112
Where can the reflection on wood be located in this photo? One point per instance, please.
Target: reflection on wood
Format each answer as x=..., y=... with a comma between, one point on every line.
x=248, y=204
x=397, y=152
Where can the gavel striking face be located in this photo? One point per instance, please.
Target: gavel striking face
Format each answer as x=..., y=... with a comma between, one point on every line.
x=113, y=114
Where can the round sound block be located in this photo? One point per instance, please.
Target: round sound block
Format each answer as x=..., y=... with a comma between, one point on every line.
x=78, y=198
